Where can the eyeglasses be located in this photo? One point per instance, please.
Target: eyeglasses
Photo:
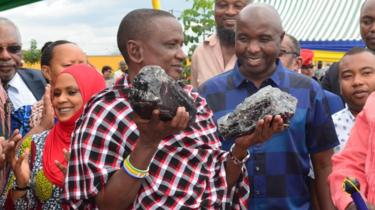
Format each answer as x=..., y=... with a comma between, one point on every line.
x=11, y=49
x=284, y=52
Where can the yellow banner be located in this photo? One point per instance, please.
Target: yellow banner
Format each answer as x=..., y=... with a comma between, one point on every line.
x=327, y=56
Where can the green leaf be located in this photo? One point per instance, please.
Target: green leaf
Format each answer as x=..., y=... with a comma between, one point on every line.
x=198, y=22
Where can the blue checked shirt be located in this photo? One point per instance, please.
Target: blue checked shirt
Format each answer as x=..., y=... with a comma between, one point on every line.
x=278, y=169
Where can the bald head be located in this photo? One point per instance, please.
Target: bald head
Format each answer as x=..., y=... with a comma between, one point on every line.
x=367, y=23
x=366, y=4
x=262, y=13
x=258, y=38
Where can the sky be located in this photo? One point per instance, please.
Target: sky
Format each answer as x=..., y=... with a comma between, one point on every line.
x=92, y=24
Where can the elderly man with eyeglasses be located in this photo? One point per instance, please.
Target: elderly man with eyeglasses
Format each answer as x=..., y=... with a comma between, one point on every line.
x=24, y=86
x=290, y=53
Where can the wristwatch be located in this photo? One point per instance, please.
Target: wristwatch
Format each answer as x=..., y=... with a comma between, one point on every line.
x=235, y=160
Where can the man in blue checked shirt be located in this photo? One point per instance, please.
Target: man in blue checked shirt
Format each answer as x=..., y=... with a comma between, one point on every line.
x=278, y=168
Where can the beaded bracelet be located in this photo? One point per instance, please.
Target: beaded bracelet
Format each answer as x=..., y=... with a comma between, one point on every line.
x=132, y=170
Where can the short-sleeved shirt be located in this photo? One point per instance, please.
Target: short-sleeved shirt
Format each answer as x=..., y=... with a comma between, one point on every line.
x=344, y=122
x=187, y=171
x=278, y=169
x=208, y=61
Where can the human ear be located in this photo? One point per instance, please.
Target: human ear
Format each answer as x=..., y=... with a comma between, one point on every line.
x=299, y=62
x=282, y=35
x=135, y=51
x=46, y=71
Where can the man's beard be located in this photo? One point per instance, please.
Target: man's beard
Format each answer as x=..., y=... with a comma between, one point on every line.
x=226, y=36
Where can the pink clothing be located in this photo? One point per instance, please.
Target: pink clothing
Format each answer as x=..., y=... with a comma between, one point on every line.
x=357, y=160
x=208, y=61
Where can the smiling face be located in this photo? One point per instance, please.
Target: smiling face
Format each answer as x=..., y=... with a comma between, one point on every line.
x=258, y=41
x=10, y=51
x=367, y=24
x=357, y=79
x=63, y=56
x=164, y=49
x=226, y=12
x=67, y=99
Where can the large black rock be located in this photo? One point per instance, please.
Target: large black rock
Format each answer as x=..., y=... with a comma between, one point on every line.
x=153, y=89
x=267, y=101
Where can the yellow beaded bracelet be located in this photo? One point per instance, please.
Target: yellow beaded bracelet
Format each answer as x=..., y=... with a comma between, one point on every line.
x=132, y=170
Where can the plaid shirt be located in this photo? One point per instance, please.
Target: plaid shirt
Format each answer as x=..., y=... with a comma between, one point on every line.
x=187, y=170
x=279, y=167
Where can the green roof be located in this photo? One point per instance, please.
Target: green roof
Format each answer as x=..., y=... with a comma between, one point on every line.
x=9, y=4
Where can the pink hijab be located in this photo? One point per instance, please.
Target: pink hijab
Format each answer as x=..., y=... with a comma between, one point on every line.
x=90, y=82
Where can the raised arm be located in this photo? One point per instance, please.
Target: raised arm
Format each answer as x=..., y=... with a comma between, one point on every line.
x=115, y=195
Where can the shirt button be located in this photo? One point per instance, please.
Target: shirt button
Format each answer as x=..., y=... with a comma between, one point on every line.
x=257, y=192
x=257, y=168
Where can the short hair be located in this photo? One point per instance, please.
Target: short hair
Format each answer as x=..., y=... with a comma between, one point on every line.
x=6, y=21
x=47, y=51
x=357, y=50
x=137, y=25
x=354, y=51
x=106, y=68
x=320, y=64
x=296, y=46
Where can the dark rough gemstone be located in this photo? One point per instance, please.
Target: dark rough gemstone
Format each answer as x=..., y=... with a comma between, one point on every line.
x=267, y=101
x=153, y=89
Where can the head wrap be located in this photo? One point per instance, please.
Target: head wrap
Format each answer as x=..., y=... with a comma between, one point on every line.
x=307, y=57
x=90, y=82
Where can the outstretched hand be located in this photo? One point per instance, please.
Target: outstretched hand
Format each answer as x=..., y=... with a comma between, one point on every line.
x=7, y=146
x=154, y=130
x=10, y=146
x=61, y=166
x=47, y=121
x=264, y=130
x=20, y=165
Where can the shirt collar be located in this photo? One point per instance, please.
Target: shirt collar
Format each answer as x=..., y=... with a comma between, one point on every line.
x=15, y=82
x=275, y=78
x=212, y=40
x=348, y=112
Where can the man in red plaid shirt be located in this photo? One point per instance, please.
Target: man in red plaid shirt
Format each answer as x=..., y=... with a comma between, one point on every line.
x=186, y=168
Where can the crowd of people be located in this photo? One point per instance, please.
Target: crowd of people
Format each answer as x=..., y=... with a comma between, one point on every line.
x=71, y=140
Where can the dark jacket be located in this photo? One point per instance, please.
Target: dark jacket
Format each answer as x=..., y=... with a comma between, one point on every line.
x=330, y=80
x=34, y=80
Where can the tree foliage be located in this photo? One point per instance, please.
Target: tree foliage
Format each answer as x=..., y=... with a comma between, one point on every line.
x=33, y=54
x=199, y=23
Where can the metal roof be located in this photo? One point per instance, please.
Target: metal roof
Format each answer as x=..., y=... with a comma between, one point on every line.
x=321, y=21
